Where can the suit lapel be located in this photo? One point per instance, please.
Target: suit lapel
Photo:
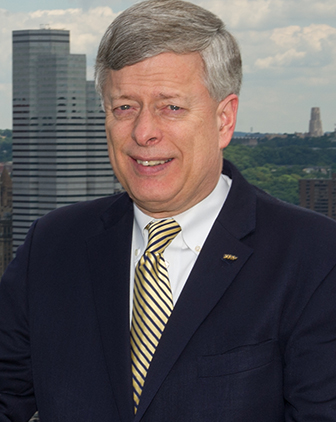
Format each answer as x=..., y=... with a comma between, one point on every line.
x=109, y=257
x=211, y=276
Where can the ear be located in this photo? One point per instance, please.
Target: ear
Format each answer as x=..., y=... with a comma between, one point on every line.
x=227, y=117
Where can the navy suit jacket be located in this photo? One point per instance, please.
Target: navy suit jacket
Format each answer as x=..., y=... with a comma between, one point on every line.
x=251, y=339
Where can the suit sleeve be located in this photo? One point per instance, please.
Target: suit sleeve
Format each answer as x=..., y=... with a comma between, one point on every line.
x=310, y=359
x=17, y=402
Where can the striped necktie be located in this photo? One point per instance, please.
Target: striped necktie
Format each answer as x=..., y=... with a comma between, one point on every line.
x=152, y=301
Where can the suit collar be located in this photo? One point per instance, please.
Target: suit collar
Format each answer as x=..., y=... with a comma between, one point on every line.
x=238, y=214
x=121, y=206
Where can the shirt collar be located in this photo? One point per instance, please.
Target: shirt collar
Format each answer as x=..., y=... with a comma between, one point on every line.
x=195, y=223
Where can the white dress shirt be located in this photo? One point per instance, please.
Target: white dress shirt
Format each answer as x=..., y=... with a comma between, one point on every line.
x=181, y=254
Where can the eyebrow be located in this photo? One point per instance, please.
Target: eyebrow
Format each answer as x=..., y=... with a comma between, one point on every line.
x=121, y=97
x=161, y=95
x=168, y=97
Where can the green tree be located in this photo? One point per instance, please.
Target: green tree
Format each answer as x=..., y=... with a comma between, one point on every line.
x=277, y=165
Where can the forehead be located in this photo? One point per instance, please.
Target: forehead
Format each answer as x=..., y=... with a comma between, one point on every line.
x=165, y=74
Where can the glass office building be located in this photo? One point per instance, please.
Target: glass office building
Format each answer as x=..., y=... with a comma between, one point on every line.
x=59, y=145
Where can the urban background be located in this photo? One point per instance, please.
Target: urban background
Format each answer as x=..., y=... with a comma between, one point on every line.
x=56, y=153
x=52, y=142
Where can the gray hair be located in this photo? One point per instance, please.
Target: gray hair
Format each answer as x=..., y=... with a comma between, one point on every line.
x=153, y=27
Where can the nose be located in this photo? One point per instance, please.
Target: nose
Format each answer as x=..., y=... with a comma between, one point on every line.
x=146, y=129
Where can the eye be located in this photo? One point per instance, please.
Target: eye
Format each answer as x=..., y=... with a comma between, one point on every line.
x=174, y=107
x=124, y=111
x=121, y=109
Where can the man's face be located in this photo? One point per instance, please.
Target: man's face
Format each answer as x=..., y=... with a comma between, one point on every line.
x=165, y=133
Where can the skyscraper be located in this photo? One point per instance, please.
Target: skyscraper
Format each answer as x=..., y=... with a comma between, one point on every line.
x=59, y=145
x=315, y=123
x=319, y=195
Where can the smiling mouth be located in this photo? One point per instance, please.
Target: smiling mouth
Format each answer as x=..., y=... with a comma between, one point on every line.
x=153, y=163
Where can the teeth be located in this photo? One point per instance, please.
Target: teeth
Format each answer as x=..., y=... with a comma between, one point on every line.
x=152, y=163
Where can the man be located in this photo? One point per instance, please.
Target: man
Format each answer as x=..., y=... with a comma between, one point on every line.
x=232, y=318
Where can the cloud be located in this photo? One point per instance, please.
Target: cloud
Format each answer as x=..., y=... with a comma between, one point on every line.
x=266, y=14
x=314, y=37
x=243, y=13
x=118, y=5
x=310, y=51
x=86, y=28
x=281, y=59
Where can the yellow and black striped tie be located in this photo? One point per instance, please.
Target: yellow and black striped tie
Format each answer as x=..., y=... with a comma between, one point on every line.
x=152, y=302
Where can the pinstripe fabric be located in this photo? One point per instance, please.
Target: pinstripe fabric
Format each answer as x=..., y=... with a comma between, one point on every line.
x=152, y=302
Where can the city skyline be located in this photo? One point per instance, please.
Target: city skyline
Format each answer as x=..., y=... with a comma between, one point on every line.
x=288, y=49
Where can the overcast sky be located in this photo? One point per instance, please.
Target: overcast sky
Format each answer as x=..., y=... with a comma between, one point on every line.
x=288, y=49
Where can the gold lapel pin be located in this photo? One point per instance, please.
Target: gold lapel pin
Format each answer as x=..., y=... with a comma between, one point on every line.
x=230, y=257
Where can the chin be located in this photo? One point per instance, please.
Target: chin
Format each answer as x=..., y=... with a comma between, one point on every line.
x=154, y=203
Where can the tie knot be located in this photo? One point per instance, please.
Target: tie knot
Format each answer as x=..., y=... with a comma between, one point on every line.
x=160, y=234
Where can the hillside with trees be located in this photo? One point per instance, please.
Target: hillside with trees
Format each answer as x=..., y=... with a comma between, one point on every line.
x=276, y=165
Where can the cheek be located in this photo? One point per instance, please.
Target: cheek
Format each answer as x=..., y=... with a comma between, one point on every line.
x=114, y=140
x=110, y=143
x=111, y=156
x=113, y=151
